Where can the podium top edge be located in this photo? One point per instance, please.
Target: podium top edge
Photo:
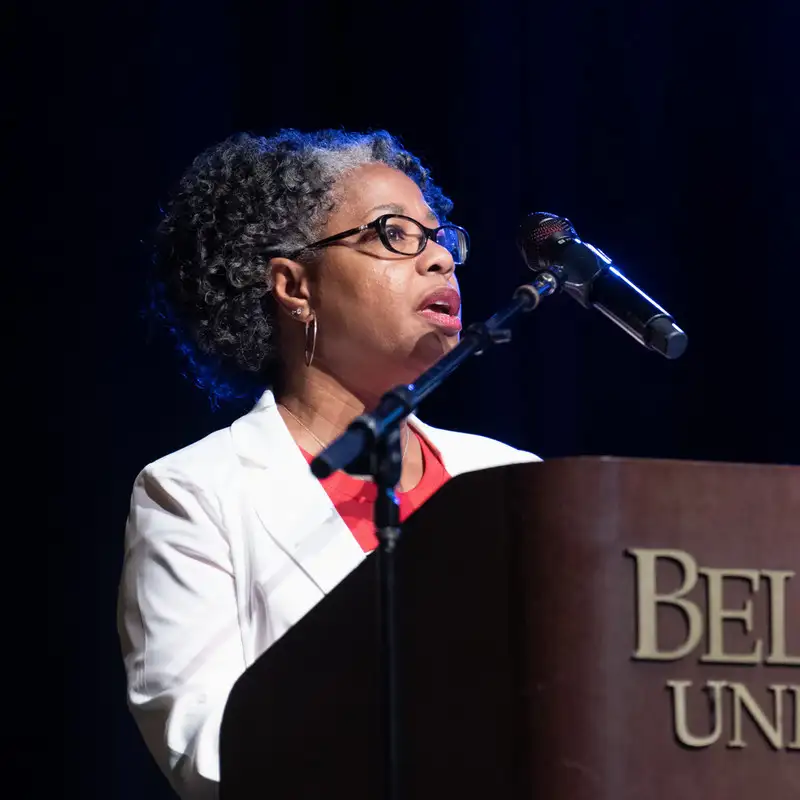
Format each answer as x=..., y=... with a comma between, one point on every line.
x=638, y=461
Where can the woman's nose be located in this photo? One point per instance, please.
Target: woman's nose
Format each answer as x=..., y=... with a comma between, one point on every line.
x=435, y=258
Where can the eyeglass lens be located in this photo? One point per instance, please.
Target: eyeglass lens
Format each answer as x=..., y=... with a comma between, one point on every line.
x=407, y=237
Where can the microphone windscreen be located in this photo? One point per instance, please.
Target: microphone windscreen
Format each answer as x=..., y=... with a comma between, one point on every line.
x=536, y=232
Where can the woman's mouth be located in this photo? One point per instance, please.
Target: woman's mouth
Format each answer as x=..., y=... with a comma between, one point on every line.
x=441, y=319
x=441, y=307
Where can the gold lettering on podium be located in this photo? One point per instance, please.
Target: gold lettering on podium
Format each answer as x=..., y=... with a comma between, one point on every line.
x=680, y=713
x=727, y=616
x=648, y=600
x=772, y=732
x=740, y=698
x=795, y=743
x=777, y=580
x=718, y=614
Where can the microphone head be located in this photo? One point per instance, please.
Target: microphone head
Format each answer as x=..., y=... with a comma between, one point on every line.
x=537, y=233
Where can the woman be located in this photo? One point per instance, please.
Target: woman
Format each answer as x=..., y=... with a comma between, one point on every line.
x=319, y=265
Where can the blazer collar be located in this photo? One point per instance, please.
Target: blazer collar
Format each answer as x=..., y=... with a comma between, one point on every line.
x=292, y=505
x=262, y=439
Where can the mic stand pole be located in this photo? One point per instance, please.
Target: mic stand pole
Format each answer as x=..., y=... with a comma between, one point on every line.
x=389, y=467
x=374, y=439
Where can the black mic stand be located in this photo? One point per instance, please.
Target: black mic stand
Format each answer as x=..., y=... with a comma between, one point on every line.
x=374, y=440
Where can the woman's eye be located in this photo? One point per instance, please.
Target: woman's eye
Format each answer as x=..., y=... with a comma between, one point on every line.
x=395, y=233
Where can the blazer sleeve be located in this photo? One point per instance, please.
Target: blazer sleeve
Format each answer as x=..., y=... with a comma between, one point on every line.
x=179, y=627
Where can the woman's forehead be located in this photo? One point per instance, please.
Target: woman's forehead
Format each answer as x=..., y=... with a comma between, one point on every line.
x=382, y=189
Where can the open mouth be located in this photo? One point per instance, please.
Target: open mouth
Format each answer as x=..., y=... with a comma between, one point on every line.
x=441, y=308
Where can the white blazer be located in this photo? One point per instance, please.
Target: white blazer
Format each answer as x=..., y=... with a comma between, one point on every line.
x=229, y=542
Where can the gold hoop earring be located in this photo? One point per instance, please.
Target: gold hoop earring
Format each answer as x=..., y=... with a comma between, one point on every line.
x=309, y=350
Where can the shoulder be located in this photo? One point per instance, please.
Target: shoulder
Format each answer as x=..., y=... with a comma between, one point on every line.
x=465, y=452
x=181, y=499
x=194, y=477
x=204, y=458
x=213, y=465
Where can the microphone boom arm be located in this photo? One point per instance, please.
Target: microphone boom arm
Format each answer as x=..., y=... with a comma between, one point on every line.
x=368, y=429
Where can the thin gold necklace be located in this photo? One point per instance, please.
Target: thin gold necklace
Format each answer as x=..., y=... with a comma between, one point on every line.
x=325, y=444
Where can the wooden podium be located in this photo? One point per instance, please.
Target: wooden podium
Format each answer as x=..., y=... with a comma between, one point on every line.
x=580, y=629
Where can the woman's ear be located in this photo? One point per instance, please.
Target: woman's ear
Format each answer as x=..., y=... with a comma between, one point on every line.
x=291, y=285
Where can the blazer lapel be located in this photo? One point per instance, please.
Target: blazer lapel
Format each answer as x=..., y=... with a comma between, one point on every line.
x=290, y=502
x=440, y=448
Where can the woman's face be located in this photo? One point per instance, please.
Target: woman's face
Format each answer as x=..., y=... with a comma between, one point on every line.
x=370, y=303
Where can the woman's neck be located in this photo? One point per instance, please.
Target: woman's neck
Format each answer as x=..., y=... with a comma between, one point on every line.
x=317, y=408
x=322, y=402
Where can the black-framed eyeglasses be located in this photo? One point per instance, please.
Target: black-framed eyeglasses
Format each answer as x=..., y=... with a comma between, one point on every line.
x=405, y=236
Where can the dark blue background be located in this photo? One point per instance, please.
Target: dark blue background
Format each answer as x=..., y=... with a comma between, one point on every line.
x=666, y=130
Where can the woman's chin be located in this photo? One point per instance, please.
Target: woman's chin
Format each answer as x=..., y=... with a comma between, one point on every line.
x=430, y=348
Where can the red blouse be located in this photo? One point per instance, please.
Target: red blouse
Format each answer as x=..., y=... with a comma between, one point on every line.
x=355, y=499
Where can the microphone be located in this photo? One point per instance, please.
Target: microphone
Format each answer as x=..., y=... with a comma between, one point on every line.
x=549, y=243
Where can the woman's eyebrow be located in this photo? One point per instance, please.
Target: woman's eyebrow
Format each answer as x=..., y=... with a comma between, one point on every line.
x=396, y=208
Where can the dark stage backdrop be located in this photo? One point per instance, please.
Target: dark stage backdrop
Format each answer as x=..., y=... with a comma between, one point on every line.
x=667, y=131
